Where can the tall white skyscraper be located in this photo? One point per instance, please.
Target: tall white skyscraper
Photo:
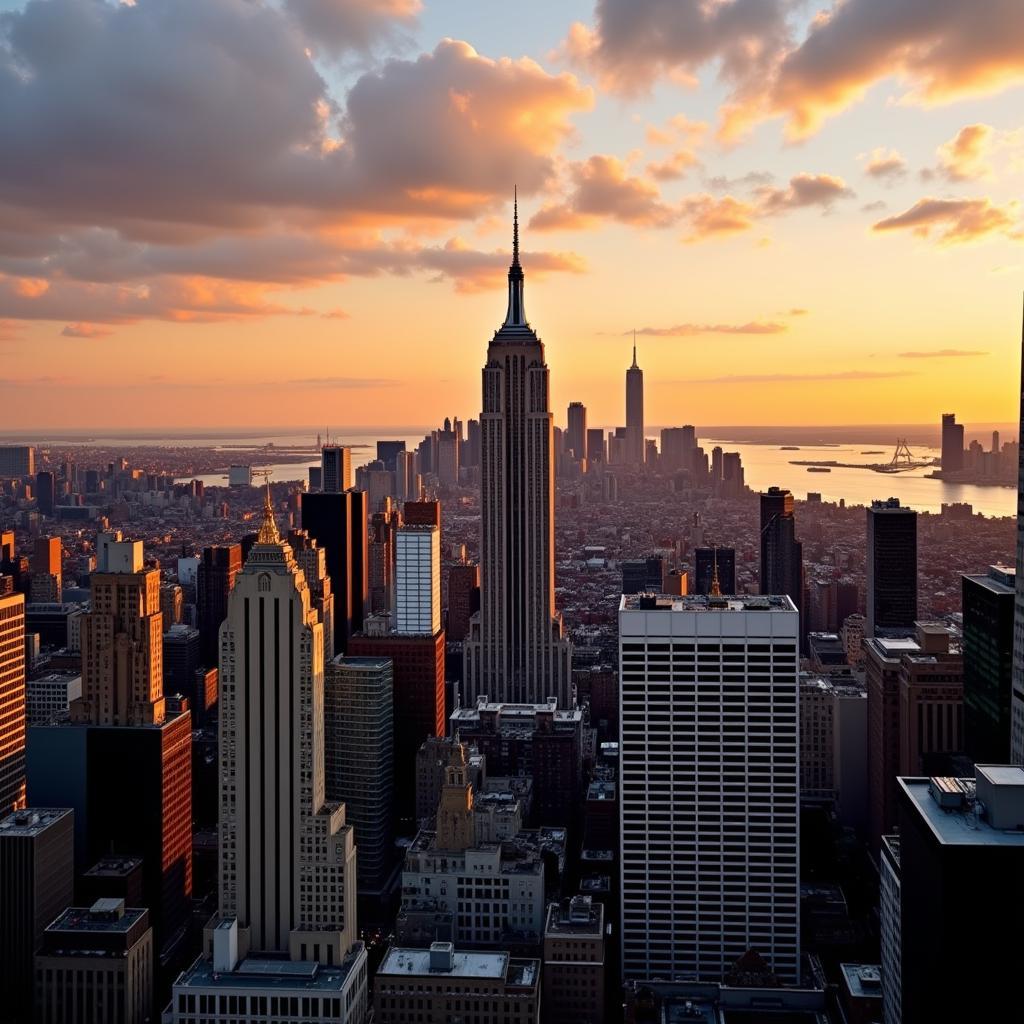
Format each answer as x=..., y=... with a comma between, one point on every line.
x=418, y=580
x=287, y=858
x=516, y=652
x=709, y=789
x=336, y=467
x=634, y=413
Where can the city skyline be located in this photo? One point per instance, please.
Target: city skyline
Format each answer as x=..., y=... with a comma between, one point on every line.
x=661, y=190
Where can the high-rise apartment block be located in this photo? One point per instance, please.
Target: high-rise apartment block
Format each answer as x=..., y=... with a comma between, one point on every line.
x=359, y=717
x=37, y=873
x=710, y=785
x=418, y=581
x=516, y=650
x=988, y=664
x=891, y=567
x=12, y=702
x=336, y=468
x=287, y=856
x=215, y=576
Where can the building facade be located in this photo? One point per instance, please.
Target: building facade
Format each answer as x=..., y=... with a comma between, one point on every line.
x=215, y=577
x=12, y=702
x=709, y=811
x=516, y=650
x=287, y=856
x=782, y=556
x=574, y=960
x=418, y=581
x=891, y=567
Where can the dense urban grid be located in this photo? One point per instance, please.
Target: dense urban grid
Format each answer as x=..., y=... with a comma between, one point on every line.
x=522, y=724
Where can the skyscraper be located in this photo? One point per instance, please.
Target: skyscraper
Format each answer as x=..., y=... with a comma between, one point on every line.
x=37, y=874
x=336, y=467
x=418, y=581
x=516, y=651
x=338, y=523
x=215, y=577
x=359, y=761
x=122, y=645
x=12, y=702
x=45, y=492
x=709, y=789
x=577, y=430
x=782, y=555
x=952, y=443
x=988, y=662
x=287, y=858
x=634, y=413
x=891, y=567
x=595, y=446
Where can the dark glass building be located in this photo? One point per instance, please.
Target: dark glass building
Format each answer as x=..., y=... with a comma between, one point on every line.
x=46, y=492
x=782, y=555
x=214, y=579
x=644, y=576
x=704, y=560
x=891, y=567
x=988, y=663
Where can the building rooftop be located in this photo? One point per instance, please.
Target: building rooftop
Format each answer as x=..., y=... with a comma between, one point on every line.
x=364, y=662
x=412, y=962
x=578, y=915
x=271, y=974
x=863, y=980
x=987, y=810
x=1000, y=579
x=31, y=821
x=114, y=866
x=105, y=915
x=705, y=603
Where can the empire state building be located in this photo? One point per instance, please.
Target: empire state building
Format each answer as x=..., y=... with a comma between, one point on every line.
x=516, y=652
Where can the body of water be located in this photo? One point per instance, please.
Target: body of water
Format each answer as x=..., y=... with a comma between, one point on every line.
x=765, y=465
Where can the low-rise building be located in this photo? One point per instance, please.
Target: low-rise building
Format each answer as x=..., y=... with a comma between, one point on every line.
x=228, y=988
x=48, y=696
x=574, y=957
x=96, y=964
x=438, y=985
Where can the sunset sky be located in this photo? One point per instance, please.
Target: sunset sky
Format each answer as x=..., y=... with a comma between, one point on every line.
x=244, y=212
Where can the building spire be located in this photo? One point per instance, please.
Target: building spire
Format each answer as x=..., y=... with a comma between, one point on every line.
x=268, y=530
x=634, y=366
x=716, y=589
x=516, y=315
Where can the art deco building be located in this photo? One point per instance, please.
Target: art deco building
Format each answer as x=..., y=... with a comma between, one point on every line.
x=516, y=651
x=287, y=858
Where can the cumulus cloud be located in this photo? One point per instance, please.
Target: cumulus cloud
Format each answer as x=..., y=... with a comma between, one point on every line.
x=690, y=330
x=340, y=25
x=674, y=166
x=965, y=156
x=885, y=164
x=954, y=221
x=82, y=330
x=633, y=42
x=710, y=216
x=939, y=50
x=602, y=188
x=168, y=151
x=820, y=190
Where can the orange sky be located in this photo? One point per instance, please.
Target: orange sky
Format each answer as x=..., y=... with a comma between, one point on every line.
x=301, y=222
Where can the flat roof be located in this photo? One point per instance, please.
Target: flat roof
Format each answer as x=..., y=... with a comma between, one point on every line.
x=32, y=820
x=705, y=603
x=83, y=919
x=1002, y=774
x=863, y=980
x=403, y=961
x=956, y=826
x=266, y=973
